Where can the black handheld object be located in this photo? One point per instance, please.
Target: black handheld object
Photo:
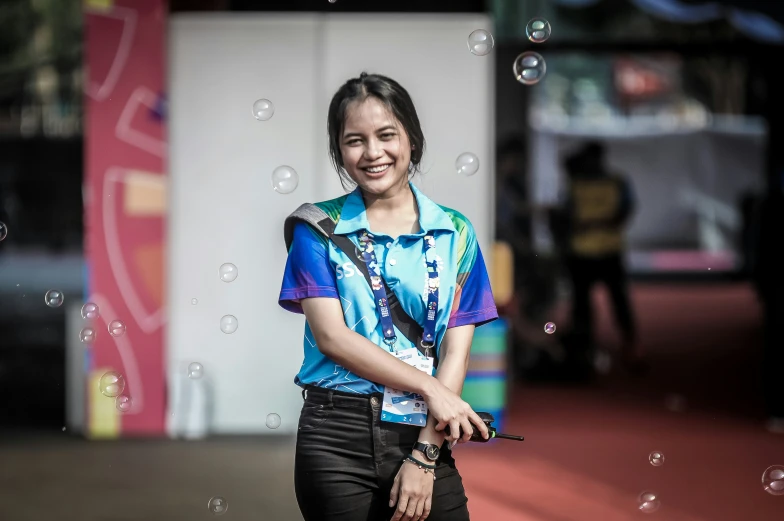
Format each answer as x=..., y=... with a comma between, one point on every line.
x=488, y=419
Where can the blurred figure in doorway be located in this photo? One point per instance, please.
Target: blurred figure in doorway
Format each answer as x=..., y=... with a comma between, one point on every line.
x=592, y=225
x=769, y=281
x=534, y=276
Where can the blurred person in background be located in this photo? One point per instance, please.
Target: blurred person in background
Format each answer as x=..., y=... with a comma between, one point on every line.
x=592, y=223
x=534, y=280
x=769, y=282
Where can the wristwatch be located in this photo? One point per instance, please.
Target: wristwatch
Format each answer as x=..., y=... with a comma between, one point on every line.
x=430, y=451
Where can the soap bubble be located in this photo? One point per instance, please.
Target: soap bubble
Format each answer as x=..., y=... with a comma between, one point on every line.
x=538, y=30
x=195, y=371
x=467, y=164
x=529, y=68
x=123, y=403
x=116, y=328
x=54, y=298
x=648, y=502
x=87, y=335
x=263, y=109
x=773, y=480
x=90, y=311
x=332, y=1
x=3, y=231
x=112, y=384
x=217, y=505
x=273, y=420
x=228, y=324
x=284, y=179
x=480, y=42
x=602, y=362
x=656, y=458
x=194, y=301
x=549, y=328
x=228, y=272
x=675, y=403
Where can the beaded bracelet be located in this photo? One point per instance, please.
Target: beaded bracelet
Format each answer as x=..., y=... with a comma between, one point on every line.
x=422, y=466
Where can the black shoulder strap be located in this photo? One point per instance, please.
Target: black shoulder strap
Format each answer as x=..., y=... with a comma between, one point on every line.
x=324, y=224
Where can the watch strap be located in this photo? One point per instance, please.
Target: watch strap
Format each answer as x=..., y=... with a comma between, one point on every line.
x=422, y=447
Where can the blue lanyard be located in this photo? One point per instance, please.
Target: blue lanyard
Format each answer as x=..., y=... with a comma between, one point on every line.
x=368, y=255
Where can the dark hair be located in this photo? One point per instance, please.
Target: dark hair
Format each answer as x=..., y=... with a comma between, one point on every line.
x=391, y=94
x=590, y=155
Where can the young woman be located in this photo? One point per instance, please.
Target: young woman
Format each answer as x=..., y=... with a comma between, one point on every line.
x=365, y=451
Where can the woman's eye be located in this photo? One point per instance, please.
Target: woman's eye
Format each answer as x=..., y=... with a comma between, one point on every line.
x=388, y=135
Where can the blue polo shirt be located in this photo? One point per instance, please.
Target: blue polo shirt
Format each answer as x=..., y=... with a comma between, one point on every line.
x=317, y=268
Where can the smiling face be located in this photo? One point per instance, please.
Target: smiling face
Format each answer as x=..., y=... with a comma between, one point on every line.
x=375, y=148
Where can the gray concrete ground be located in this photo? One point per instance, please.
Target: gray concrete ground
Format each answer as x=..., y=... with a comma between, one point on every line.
x=65, y=478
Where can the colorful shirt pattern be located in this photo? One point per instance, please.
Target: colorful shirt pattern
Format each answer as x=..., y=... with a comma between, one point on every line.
x=317, y=268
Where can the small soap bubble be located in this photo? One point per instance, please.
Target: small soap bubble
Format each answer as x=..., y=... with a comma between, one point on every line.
x=116, y=328
x=332, y=1
x=263, y=109
x=467, y=164
x=648, y=502
x=63, y=429
x=602, y=362
x=3, y=231
x=217, y=505
x=54, y=298
x=195, y=371
x=228, y=324
x=773, y=480
x=194, y=301
x=123, y=403
x=284, y=179
x=90, y=311
x=656, y=458
x=538, y=30
x=87, y=335
x=675, y=403
x=273, y=421
x=480, y=42
x=112, y=384
x=529, y=68
x=228, y=272
x=549, y=328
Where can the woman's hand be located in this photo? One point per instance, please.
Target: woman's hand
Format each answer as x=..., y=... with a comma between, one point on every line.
x=449, y=409
x=412, y=490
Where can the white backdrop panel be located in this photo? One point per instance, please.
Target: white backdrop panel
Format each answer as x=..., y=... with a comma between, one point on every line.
x=222, y=206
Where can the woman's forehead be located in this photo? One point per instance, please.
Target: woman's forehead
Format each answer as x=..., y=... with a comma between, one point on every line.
x=368, y=114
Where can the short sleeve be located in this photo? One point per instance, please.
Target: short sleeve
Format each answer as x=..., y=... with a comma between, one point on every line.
x=474, y=302
x=308, y=271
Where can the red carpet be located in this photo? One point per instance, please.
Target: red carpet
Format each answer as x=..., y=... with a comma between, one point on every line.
x=586, y=451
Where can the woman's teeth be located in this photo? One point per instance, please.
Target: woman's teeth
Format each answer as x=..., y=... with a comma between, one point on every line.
x=377, y=169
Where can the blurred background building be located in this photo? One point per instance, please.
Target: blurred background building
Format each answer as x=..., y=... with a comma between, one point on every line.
x=131, y=169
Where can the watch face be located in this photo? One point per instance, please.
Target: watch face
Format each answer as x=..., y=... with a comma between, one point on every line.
x=432, y=452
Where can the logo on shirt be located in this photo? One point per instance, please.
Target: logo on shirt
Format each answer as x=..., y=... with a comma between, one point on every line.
x=345, y=270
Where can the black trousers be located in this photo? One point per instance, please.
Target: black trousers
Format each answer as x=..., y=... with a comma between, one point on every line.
x=585, y=272
x=347, y=458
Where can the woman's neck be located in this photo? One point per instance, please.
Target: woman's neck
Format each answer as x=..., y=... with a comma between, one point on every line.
x=393, y=214
x=398, y=201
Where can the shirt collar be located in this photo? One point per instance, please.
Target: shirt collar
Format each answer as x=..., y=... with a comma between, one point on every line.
x=353, y=217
